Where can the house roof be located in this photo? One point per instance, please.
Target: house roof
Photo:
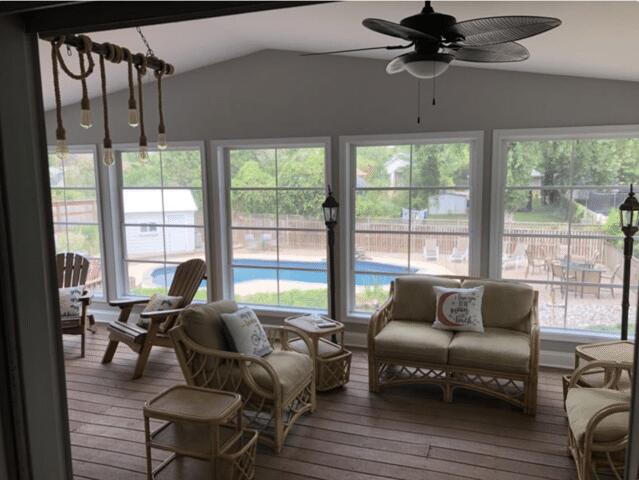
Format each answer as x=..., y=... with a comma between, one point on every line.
x=150, y=201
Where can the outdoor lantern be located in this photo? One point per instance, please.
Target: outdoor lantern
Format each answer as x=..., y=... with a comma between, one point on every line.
x=330, y=207
x=629, y=214
x=629, y=218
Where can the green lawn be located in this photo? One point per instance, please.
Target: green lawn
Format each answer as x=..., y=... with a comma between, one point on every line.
x=317, y=298
x=147, y=292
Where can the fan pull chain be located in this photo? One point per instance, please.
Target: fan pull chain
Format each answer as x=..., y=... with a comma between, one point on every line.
x=419, y=101
x=434, y=85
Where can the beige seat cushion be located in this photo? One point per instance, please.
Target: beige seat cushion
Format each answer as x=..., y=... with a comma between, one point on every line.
x=505, y=304
x=497, y=349
x=413, y=341
x=203, y=323
x=414, y=298
x=292, y=369
x=325, y=348
x=583, y=403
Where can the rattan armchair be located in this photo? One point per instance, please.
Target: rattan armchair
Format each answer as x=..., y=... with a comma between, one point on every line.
x=276, y=389
x=598, y=422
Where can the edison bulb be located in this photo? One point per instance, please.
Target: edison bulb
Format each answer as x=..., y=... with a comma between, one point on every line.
x=86, y=119
x=162, y=141
x=108, y=158
x=61, y=149
x=143, y=153
x=133, y=117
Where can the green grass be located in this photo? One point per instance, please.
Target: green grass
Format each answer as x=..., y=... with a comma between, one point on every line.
x=316, y=298
x=609, y=328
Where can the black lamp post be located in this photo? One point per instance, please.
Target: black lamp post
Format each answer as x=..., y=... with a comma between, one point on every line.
x=330, y=207
x=629, y=219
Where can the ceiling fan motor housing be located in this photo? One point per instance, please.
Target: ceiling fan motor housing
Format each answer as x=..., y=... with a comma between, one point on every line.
x=435, y=24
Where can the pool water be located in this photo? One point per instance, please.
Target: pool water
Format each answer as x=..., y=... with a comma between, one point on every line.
x=253, y=269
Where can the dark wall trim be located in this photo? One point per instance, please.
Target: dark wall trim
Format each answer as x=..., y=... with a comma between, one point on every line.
x=32, y=374
x=95, y=16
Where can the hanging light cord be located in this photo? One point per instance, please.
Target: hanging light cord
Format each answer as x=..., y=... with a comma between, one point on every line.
x=85, y=50
x=60, y=133
x=141, y=70
x=105, y=110
x=129, y=59
x=161, y=127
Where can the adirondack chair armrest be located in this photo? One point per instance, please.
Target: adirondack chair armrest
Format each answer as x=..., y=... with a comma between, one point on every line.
x=86, y=298
x=128, y=302
x=160, y=314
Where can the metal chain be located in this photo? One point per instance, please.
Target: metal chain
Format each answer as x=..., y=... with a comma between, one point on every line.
x=149, y=50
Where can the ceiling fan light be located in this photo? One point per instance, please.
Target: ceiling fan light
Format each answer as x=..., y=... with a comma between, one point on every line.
x=421, y=65
x=427, y=68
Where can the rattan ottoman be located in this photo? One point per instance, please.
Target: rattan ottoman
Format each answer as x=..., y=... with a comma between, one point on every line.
x=332, y=360
x=203, y=430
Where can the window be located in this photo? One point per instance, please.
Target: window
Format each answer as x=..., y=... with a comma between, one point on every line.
x=76, y=217
x=277, y=252
x=558, y=225
x=162, y=217
x=412, y=199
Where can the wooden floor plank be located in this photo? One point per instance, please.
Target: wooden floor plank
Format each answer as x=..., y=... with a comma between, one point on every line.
x=402, y=433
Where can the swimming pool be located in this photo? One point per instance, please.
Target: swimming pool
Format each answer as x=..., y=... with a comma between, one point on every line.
x=247, y=269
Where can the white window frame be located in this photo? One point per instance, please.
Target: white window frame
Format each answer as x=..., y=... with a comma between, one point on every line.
x=100, y=204
x=498, y=188
x=347, y=176
x=116, y=220
x=221, y=172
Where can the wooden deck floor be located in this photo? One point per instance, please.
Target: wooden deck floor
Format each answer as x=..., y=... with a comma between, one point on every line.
x=404, y=433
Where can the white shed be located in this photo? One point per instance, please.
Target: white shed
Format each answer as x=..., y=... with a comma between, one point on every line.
x=146, y=210
x=448, y=203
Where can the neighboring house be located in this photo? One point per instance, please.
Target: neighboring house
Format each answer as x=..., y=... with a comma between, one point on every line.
x=448, y=203
x=394, y=166
x=144, y=208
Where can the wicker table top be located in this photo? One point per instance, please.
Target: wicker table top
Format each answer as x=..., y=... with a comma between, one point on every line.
x=615, y=351
x=195, y=404
x=307, y=327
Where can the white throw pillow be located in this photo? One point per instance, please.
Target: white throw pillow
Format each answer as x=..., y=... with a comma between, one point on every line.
x=158, y=303
x=459, y=309
x=244, y=333
x=70, y=304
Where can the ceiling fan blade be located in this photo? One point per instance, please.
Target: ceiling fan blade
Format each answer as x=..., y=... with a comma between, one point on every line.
x=501, y=52
x=397, y=30
x=390, y=47
x=493, y=30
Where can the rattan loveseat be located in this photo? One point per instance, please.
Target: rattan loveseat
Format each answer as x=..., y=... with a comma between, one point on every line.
x=404, y=348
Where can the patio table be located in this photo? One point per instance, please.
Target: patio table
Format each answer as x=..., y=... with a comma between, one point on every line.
x=585, y=272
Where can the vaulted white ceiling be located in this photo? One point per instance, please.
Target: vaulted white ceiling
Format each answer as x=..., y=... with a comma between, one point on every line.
x=596, y=39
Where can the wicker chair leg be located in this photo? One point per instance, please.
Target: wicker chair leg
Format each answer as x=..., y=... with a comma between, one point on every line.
x=278, y=423
x=373, y=376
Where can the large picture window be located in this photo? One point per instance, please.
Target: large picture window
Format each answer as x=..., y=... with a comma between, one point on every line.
x=411, y=211
x=277, y=239
x=558, y=228
x=162, y=217
x=76, y=217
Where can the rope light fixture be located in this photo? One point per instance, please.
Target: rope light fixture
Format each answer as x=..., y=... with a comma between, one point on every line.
x=114, y=54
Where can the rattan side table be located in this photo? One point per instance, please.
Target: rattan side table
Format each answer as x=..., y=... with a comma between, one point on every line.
x=203, y=430
x=614, y=351
x=332, y=360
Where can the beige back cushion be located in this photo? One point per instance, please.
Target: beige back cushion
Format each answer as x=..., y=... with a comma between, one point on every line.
x=203, y=323
x=415, y=299
x=505, y=304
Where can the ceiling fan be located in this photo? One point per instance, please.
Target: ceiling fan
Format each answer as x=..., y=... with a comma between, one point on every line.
x=437, y=39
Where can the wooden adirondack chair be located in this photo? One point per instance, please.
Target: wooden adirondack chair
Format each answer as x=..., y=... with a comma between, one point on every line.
x=185, y=284
x=72, y=271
